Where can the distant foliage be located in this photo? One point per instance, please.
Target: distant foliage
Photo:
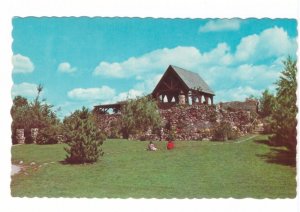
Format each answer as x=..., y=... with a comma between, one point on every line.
x=83, y=138
x=139, y=115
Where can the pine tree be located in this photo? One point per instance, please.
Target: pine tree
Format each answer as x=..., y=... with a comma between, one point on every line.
x=83, y=138
x=285, y=110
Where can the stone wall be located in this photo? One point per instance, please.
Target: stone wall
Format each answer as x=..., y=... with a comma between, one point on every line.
x=248, y=105
x=109, y=124
x=185, y=122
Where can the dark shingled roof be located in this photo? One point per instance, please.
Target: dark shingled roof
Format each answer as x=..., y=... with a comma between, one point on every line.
x=192, y=80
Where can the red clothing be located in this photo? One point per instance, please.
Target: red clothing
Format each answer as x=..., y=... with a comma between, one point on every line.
x=170, y=145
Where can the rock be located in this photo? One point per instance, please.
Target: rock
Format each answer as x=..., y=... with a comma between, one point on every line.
x=32, y=163
x=21, y=162
x=20, y=136
x=189, y=122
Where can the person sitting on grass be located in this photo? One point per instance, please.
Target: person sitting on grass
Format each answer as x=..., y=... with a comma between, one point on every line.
x=151, y=147
x=170, y=144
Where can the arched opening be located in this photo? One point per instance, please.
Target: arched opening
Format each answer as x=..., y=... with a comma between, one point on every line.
x=196, y=99
x=202, y=99
x=160, y=98
x=190, y=101
x=208, y=100
x=165, y=99
x=173, y=99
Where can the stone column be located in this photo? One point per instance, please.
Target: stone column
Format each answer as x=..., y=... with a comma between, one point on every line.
x=181, y=99
x=34, y=133
x=206, y=100
x=20, y=136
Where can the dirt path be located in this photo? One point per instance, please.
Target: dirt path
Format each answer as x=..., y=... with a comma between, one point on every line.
x=15, y=169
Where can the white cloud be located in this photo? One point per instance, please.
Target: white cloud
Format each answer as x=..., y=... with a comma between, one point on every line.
x=257, y=74
x=147, y=85
x=131, y=94
x=102, y=93
x=217, y=56
x=24, y=89
x=236, y=94
x=153, y=61
x=66, y=68
x=254, y=66
x=272, y=42
x=221, y=25
x=22, y=64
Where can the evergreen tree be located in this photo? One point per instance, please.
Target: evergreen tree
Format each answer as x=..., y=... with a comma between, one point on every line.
x=83, y=138
x=285, y=109
x=266, y=104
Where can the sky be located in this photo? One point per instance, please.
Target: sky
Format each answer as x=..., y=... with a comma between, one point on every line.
x=90, y=61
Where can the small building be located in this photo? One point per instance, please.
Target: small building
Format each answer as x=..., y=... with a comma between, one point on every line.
x=106, y=108
x=179, y=86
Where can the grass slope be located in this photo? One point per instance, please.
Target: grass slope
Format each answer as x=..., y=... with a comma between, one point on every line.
x=192, y=170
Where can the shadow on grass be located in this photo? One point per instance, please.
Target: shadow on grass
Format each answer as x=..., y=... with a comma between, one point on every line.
x=267, y=142
x=63, y=162
x=279, y=156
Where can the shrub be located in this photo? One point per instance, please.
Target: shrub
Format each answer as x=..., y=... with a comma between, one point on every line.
x=83, y=138
x=224, y=131
x=139, y=115
x=49, y=135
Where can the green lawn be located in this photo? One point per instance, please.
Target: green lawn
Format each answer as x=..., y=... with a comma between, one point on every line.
x=193, y=169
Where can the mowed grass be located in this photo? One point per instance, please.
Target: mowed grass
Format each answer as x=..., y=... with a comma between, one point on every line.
x=192, y=170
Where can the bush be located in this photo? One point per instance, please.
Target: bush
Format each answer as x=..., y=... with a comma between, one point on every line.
x=83, y=138
x=224, y=132
x=139, y=115
x=48, y=135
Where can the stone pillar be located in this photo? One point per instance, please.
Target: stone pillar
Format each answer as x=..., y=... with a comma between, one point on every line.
x=20, y=136
x=34, y=133
x=206, y=100
x=181, y=99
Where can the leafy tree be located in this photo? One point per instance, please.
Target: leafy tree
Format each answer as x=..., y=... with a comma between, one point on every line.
x=83, y=138
x=285, y=109
x=139, y=115
x=36, y=114
x=266, y=103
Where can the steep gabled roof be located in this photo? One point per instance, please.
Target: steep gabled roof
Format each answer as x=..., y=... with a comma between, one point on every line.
x=192, y=80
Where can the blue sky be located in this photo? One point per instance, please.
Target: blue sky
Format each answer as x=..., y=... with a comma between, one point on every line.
x=89, y=61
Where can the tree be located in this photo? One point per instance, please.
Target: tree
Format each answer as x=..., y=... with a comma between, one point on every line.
x=36, y=114
x=266, y=104
x=139, y=115
x=20, y=115
x=285, y=109
x=83, y=138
